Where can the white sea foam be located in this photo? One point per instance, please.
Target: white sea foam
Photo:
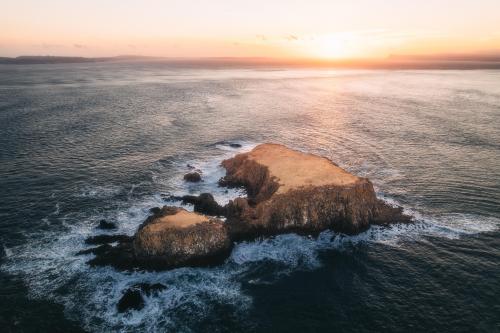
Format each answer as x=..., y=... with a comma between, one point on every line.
x=7, y=251
x=57, y=209
x=48, y=263
x=211, y=172
x=99, y=191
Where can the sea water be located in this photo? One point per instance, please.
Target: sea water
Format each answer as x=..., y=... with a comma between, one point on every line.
x=85, y=142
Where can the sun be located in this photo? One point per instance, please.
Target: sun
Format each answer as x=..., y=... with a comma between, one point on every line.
x=333, y=47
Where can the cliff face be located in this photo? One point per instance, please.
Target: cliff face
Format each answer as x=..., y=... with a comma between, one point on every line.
x=176, y=237
x=293, y=191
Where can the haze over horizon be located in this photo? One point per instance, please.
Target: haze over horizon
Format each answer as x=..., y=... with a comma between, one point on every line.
x=281, y=29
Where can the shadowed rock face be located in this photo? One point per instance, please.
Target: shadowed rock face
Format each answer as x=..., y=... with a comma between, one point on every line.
x=293, y=191
x=204, y=204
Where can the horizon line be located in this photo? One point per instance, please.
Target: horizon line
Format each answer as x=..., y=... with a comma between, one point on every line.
x=393, y=61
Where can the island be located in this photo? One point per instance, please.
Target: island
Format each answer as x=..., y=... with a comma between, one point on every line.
x=287, y=191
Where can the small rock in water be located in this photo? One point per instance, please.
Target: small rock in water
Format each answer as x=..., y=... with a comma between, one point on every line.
x=205, y=204
x=192, y=177
x=229, y=143
x=103, y=224
x=131, y=300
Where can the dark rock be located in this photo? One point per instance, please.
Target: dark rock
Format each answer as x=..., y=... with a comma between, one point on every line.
x=121, y=256
x=228, y=143
x=171, y=238
x=192, y=177
x=131, y=300
x=155, y=210
x=387, y=214
x=103, y=239
x=205, y=204
x=103, y=224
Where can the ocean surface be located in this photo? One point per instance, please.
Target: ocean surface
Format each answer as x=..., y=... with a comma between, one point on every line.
x=85, y=142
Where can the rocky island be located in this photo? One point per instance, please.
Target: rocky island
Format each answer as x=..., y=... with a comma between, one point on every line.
x=287, y=191
x=291, y=191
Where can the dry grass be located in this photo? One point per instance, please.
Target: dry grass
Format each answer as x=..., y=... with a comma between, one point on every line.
x=295, y=169
x=182, y=219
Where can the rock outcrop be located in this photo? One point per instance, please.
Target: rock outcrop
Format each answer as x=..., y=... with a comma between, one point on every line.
x=291, y=191
x=288, y=191
x=132, y=298
x=192, y=177
x=176, y=237
x=105, y=225
x=204, y=204
x=171, y=237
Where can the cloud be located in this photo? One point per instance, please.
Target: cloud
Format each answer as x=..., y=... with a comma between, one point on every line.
x=261, y=37
x=292, y=38
x=80, y=46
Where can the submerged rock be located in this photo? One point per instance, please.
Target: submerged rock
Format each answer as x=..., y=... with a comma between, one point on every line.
x=192, y=177
x=131, y=300
x=229, y=143
x=105, y=225
x=291, y=191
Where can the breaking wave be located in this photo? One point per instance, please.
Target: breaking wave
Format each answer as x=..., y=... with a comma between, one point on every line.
x=50, y=268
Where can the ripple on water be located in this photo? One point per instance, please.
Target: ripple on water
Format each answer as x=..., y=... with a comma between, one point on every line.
x=50, y=268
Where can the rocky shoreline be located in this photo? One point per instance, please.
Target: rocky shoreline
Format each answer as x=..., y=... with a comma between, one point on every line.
x=287, y=191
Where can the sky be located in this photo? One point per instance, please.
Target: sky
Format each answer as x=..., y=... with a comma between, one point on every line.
x=259, y=28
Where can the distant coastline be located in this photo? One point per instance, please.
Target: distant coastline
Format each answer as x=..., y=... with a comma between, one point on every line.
x=32, y=60
x=452, y=61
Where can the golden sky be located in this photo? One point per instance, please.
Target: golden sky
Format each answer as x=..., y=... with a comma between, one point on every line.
x=284, y=29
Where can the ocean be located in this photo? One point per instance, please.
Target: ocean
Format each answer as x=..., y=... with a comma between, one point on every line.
x=85, y=142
